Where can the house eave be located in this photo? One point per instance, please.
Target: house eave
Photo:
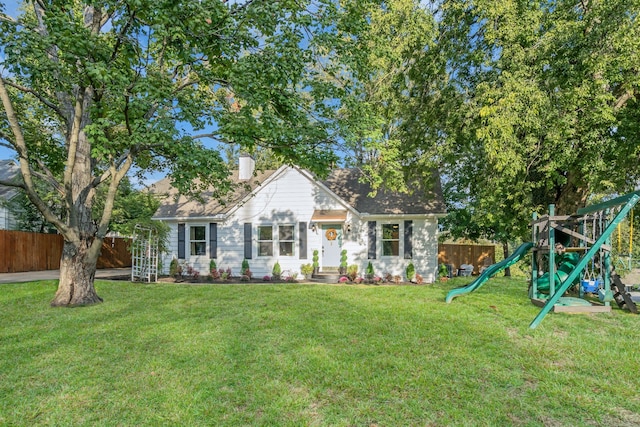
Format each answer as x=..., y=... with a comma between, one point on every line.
x=366, y=215
x=214, y=218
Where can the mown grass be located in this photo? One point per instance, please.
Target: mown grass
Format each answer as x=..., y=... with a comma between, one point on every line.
x=312, y=355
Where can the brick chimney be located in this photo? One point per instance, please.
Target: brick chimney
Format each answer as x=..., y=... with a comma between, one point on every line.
x=246, y=166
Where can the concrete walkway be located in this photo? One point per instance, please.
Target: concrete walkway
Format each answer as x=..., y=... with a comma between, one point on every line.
x=30, y=276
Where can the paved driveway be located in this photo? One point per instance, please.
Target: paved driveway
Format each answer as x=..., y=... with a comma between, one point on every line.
x=29, y=276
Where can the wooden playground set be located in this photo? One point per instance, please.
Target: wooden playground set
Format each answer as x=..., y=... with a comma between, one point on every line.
x=571, y=265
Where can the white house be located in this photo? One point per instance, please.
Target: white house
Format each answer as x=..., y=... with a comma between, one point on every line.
x=9, y=171
x=285, y=214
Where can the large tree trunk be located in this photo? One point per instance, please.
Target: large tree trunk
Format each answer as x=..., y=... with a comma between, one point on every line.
x=572, y=196
x=77, y=273
x=82, y=243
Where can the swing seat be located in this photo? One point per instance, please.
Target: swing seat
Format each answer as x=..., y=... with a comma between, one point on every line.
x=590, y=286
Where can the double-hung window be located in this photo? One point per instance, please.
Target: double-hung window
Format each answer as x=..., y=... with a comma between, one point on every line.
x=390, y=239
x=285, y=240
x=198, y=239
x=265, y=240
x=281, y=236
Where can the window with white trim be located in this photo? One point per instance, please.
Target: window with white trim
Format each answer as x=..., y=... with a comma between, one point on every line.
x=285, y=240
x=265, y=240
x=198, y=239
x=390, y=239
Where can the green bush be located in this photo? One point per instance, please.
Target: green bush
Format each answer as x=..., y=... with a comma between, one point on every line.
x=306, y=269
x=352, y=272
x=245, y=266
x=443, y=271
x=174, y=267
x=277, y=271
x=370, y=271
x=410, y=271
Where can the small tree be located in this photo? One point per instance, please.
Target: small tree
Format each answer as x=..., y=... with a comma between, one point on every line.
x=369, y=272
x=277, y=271
x=410, y=272
x=245, y=267
x=316, y=264
x=343, y=261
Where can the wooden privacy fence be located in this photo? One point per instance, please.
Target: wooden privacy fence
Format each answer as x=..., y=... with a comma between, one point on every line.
x=458, y=254
x=23, y=251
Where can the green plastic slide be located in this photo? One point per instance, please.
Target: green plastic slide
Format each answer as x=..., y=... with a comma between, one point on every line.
x=567, y=263
x=490, y=271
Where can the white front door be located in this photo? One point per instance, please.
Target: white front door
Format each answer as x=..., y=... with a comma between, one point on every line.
x=331, y=244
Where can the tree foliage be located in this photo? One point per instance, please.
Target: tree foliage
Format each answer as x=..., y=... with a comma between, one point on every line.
x=92, y=91
x=520, y=104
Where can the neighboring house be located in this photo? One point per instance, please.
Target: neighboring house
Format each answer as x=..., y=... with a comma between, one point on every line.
x=286, y=214
x=9, y=171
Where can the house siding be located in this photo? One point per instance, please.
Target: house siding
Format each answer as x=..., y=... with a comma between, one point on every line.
x=291, y=199
x=7, y=219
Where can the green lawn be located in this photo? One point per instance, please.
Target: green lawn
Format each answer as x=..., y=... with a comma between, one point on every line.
x=312, y=355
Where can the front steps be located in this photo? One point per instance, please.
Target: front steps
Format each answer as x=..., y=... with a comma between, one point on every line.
x=326, y=277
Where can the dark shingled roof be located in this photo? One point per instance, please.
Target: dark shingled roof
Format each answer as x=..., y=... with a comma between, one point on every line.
x=183, y=207
x=9, y=171
x=345, y=183
x=425, y=198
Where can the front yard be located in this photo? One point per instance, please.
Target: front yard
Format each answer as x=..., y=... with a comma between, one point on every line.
x=320, y=355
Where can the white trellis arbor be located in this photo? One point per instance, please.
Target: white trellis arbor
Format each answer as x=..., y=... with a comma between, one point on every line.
x=144, y=255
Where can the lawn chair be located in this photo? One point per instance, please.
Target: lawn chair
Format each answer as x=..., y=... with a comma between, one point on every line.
x=465, y=270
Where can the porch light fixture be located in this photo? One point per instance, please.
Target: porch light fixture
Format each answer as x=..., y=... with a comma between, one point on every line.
x=312, y=226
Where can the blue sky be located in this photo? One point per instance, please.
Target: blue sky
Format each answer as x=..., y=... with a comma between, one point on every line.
x=11, y=9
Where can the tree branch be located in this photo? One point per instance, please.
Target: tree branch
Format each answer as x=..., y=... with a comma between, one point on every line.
x=10, y=142
x=41, y=98
x=622, y=100
x=13, y=184
x=21, y=148
x=7, y=18
x=48, y=177
x=74, y=137
x=120, y=36
x=116, y=177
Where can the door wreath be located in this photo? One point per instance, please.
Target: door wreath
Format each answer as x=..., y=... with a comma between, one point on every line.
x=331, y=234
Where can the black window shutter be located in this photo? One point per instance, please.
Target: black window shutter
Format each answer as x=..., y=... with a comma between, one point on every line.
x=181, y=232
x=302, y=239
x=213, y=240
x=247, y=240
x=408, y=239
x=372, y=239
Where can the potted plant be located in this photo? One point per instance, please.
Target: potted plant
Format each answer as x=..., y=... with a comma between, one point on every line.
x=306, y=270
x=343, y=262
x=410, y=272
x=276, y=272
x=316, y=264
